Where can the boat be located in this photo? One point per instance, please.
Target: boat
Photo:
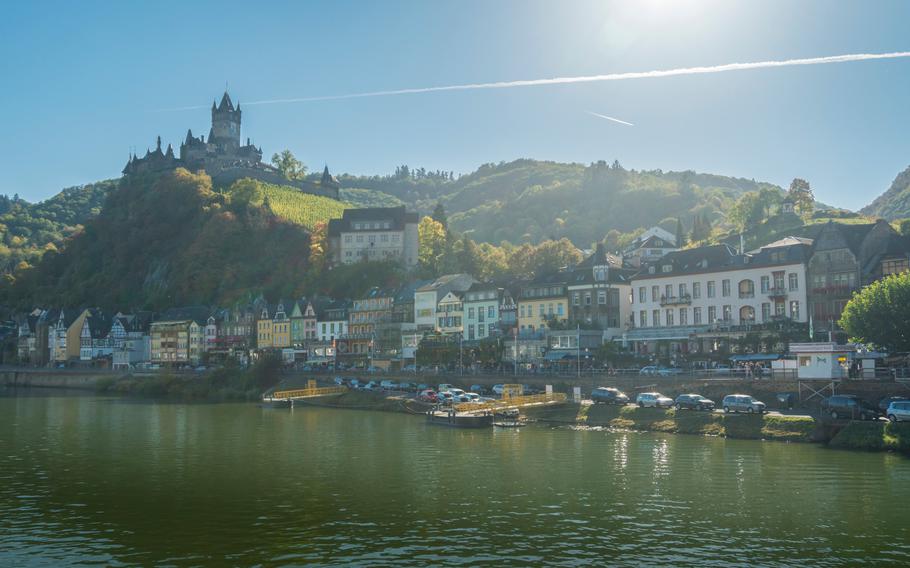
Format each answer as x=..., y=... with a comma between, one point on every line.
x=509, y=424
x=459, y=419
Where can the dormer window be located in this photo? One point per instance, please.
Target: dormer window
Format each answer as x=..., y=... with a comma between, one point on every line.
x=651, y=270
x=667, y=268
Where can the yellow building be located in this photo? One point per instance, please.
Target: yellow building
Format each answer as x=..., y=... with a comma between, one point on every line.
x=178, y=337
x=541, y=302
x=273, y=330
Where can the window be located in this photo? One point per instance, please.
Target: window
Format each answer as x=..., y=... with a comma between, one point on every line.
x=559, y=309
x=725, y=288
x=655, y=317
x=540, y=310
x=794, y=309
x=602, y=297
x=696, y=316
x=794, y=281
x=348, y=239
x=683, y=290
x=480, y=315
x=669, y=317
x=491, y=312
x=470, y=332
x=728, y=313
x=359, y=238
x=521, y=309
x=641, y=295
x=747, y=314
x=371, y=238
x=712, y=314
x=711, y=291
x=470, y=313
x=765, y=284
x=778, y=280
x=576, y=299
x=696, y=290
x=666, y=268
x=550, y=309
x=779, y=309
x=384, y=237
x=642, y=318
x=587, y=298
x=895, y=266
x=746, y=289
x=396, y=238
x=655, y=293
x=668, y=291
x=683, y=316
x=765, y=311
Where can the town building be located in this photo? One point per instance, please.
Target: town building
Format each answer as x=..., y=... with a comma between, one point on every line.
x=332, y=321
x=542, y=303
x=374, y=234
x=691, y=300
x=450, y=315
x=482, y=304
x=649, y=246
x=363, y=317
x=177, y=338
x=599, y=290
x=427, y=297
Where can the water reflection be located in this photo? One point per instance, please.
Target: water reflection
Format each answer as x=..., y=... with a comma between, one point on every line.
x=95, y=480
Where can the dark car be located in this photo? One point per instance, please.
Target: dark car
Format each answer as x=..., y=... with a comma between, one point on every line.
x=850, y=406
x=884, y=403
x=693, y=402
x=608, y=395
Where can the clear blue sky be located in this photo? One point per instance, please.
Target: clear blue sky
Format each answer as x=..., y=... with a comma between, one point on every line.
x=83, y=83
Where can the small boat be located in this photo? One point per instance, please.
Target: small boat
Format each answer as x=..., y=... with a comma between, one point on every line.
x=459, y=420
x=509, y=424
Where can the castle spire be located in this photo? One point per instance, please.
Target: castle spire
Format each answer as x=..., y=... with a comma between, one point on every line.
x=189, y=136
x=158, y=145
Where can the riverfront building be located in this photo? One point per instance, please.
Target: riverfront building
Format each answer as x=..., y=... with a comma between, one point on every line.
x=690, y=300
x=374, y=233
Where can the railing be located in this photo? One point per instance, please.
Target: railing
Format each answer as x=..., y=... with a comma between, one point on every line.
x=510, y=402
x=301, y=393
x=682, y=299
x=777, y=292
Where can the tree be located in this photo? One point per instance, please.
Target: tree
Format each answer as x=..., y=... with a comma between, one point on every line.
x=879, y=315
x=680, y=234
x=747, y=212
x=770, y=198
x=801, y=195
x=439, y=214
x=431, y=245
x=319, y=245
x=289, y=166
x=469, y=257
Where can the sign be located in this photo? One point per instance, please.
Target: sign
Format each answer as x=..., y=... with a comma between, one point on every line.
x=576, y=394
x=549, y=390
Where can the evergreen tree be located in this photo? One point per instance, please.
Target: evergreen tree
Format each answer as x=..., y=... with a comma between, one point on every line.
x=439, y=214
x=680, y=233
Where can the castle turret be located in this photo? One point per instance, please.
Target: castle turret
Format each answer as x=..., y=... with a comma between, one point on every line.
x=225, y=131
x=328, y=180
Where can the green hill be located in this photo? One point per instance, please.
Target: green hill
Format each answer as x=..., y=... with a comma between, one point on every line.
x=170, y=240
x=530, y=200
x=27, y=230
x=895, y=202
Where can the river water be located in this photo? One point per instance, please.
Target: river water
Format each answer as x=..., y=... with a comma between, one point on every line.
x=106, y=481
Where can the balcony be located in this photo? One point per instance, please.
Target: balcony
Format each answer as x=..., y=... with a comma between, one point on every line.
x=835, y=290
x=777, y=292
x=681, y=300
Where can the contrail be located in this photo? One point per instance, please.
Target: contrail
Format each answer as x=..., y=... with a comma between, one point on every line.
x=588, y=78
x=609, y=118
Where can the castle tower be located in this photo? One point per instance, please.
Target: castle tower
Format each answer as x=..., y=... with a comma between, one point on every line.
x=225, y=131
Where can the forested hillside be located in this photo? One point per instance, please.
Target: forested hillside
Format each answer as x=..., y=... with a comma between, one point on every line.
x=529, y=200
x=171, y=240
x=28, y=230
x=895, y=202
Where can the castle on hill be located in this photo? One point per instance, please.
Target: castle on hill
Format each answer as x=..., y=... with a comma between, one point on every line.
x=222, y=156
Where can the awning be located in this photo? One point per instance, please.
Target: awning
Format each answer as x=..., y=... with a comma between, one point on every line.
x=755, y=357
x=559, y=355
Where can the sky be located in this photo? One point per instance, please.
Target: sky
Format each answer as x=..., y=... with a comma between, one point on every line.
x=85, y=83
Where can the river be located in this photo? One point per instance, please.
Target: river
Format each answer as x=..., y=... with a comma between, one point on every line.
x=107, y=481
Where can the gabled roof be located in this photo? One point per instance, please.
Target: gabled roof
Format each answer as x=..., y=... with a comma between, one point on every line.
x=199, y=314
x=398, y=217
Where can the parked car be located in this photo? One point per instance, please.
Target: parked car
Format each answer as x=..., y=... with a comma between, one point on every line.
x=884, y=403
x=443, y=387
x=389, y=384
x=338, y=380
x=693, y=402
x=355, y=383
x=444, y=397
x=456, y=392
x=497, y=390
x=742, y=403
x=653, y=399
x=427, y=395
x=899, y=411
x=609, y=395
x=669, y=371
x=850, y=406
x=472, y=396
x=405, y=386
x=649, y=370
x=477, y=388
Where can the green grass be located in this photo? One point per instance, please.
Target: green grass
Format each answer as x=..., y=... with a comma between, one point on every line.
x=875, y=436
